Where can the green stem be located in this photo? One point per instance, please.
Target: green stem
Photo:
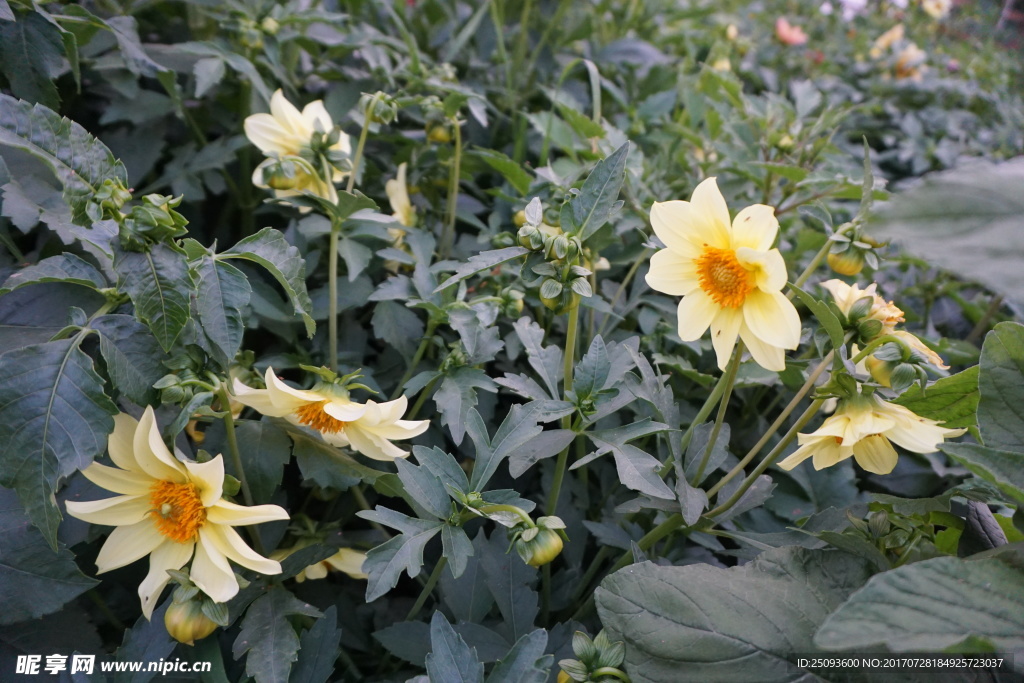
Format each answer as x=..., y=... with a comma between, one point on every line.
x=357, y=493
x=511, y=509
x=448, y=236
x=702, y=414
x=641, y=257
x=610, y=671
x=752, y=453
x=723, y=407
x=874, y=344
x=236, y=459
x=421, y=399
x=428, y=588
x=332, y=297
x=563, y=457
x=818, y=258
x=417, y=357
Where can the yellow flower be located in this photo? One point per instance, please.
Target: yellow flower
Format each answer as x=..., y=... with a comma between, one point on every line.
x=346, y=560
x=937, y=9
x=728, y=275
x=863, y=427
x=398, y=195
x=365, y=427
x=885, y=41
x=171, y=510
x=910, y=63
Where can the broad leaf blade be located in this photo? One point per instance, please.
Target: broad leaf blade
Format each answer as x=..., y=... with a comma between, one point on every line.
x=1001, y=385
x=269, y=637
x=159, y=284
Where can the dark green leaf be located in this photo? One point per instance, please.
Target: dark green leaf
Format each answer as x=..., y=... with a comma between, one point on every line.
x=509, y=579
x=952, y=400
x=32, y=54
x=593, y=205
x=385, y=563
x=457, y=548
x=318, y=650
x=146, y=641
x=637, y=470
x=545, y=360
x=545, y=445
x=265, y=450
x=269, y=249
x=525, y=662
x=443, y=466
x=63, y=268
x=269, y=637
x=1001, y=385
x=742, y=623
x=828, y=320
x=698, y=444
x=517, y=429
x=133, y=356
x=159, y=284
x=425, y=488
x=398, y=326
x=456, y=397
x=1005, y=469
x=482, y=343
x=482, y=261
x=222, y=294
x=512, y=172
x=592, y=371
x=931, y=605
x=54, y=419
x=326, y=465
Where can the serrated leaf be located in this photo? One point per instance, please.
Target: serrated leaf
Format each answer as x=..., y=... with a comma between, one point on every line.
x=507, y=167
x=132, y=355
x=63, y=268
x=509, y=580
x=931, y=605
x=456, y=397
x=450, y=659
x=547, y=444
x=743, y=623
x=222, y=293
x=443, y=466
x=592, y=371
x=517, y=429
x=160, y=284
x=269, y=249
x=593, y=205
x=384, y=564
x=54, y=419
x=525, y=662
x=545, y=360
x=398, y=326
x=482, y=343
x=318, y=650
x=483, y=261
x=952, y=400
x=269, y=638
x=33, y=580
x=80, y=161
x=1001, y=387
x=425, y=488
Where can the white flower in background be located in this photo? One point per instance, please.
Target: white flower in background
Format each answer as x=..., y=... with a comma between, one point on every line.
x=367, y=427
x=937, y=9
x=171, y=510
x=346, y=560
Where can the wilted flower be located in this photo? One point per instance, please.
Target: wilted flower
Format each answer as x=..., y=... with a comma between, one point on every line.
x=170, y=510
x=937, y=9
x=788, y=34
x=365, y=427
x=727, y=273
x=863, y=427
x=346, y=560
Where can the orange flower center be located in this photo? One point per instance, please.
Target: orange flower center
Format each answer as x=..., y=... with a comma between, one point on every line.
x=313, y=415
x=722, y=277
x=177, y=510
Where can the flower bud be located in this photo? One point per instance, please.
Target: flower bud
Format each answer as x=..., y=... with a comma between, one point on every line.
x=880, y=370
x=270, y=26
x=869, y=329
x=439, y=132
x=519, y=218
x=849, y=262
x=544, y=547
x=186, y=622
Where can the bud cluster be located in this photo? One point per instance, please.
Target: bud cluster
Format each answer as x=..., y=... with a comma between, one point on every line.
x=851, y=251
x=151, y=222
x=598, y=660
x=553, y=266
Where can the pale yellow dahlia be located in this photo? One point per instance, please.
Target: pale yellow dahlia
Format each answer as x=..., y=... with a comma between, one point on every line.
x=886, y=41
x=171, y=510
x=865, y=427
x=937, y=9
x=346, y=560
x=367, y=427
x=729, y=276
x=398, y=196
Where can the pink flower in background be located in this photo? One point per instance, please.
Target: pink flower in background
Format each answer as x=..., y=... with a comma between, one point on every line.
x=789, y=34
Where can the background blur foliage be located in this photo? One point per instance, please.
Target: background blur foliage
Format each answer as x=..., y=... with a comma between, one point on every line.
x=154, y=95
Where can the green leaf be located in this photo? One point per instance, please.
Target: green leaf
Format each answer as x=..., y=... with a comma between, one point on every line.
x=931, y=605
x=457, y=547
x=265, y=449
x=385, y=563
x=126, y=34
x=788, y=171
x=450, y=659
x=6, y=13
x=592, y=371
x=456, y=397
x=63, y=268
x=327, y=466
x=443, y=466
x=269, y=249
x=517, y=430
x=966, y=220
x=952, y=400
x=546, y=444
x=545, y=360
x=593, y=205
x=32, y=54
x=318, y=650
x=743, y=623
x=425, y=488
x=80, y=161
x=1005, y=469
x=159, y=283
x=525, y=662
x=33, y=580
x=146, y=641
x=637, y=470
x=133, y=356
x=825, y=316
x=398, y=326
x=222, y=294
x=507, y=167
x=54, y=419
x=485, y=260
x=269, y=637
x=482, y=343
x=1001, y=385
x=509, y=580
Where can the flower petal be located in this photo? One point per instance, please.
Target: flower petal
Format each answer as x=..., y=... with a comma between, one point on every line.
x=258, y=399
x=755, y=227
x=317, y=118
x=767, y=356
x=120, y=443
x=371, y=445
x=875, y=454
x=268, y=135
x=696, y=311
x=169, y=555
x=127, y=544
x=771, y=317
x=712, y=213
x=769, y=267
x=151, y=453
x=209, y=478
x=676, y=224
x=798, y=456
x=228, y=542
x=211, y=571
x=118, y=481
x=116, y=511
x=290, y=119
x=828, y=453
x=672, y=274
x=315, y=571
x=724, y=330
x=282, y=395
x=346, y=411
x=349, y=561
x=225, y=512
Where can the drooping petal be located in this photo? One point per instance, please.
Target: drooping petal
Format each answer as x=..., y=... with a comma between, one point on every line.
x=771, y=317
x=119, y=481
x=225, y=512
x=211, y=570
x=290, y=119
x=767, y=356
x=317, y=117
x=724, y=329
x=346, y=411
x=696, y=311
x=373, y=446
x=120, y=443
x=315, y=572
x=264, y=131
x=399, y=429
x=258, y=399
x=127, y=544
x=875, y=454
x=348, y=561
x=676, y=224
x=672, y=274
x=828, y=453
x=169, y=555
x=712, y=213
x=208, y=478
x=769, y=267
x=116, y=511
x=230, y=544
x=283, y=395
x=151, y=453
x=798, y=456
x=755, y=227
